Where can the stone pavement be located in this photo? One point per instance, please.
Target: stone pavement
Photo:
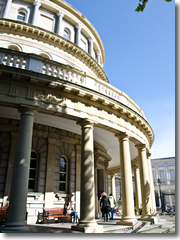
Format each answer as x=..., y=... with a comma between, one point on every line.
x=166, y=224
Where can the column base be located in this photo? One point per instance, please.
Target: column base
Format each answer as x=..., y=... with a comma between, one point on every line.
x=15, y=229
x=150, y=218
x=128, y=222
x=88, y=227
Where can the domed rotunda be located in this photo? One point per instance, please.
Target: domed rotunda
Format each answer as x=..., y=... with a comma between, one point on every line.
x=64, y=129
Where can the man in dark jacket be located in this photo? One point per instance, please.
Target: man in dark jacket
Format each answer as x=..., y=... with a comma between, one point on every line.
x=105, y=206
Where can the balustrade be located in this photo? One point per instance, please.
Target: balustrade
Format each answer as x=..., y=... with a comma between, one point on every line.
x=45, y=66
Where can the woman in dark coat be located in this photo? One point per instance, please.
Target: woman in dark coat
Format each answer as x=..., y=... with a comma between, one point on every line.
x=105, y=206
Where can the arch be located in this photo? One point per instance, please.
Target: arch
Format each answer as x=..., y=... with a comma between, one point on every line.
x=33, y=171
x=66, y=33
x=63, y=174
x=22, y=15
x=46, y=55
x=14, y=47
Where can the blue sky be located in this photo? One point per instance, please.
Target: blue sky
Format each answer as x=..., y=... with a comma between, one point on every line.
x=140, y=59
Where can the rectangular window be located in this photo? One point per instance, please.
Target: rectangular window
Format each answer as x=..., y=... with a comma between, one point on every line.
x=161, y=174
x=172, y=174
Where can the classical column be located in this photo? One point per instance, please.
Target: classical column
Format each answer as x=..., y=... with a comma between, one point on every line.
x=137, y=189
x=78, y=178
x=87, y=222
x=113, y=187
x=78, y=34
x=153, y=203
x=98, y=54
x=50, y=169
x=145, y=184
x=14, y=136
x=37, y=4
x=7, y=8
x=60, y=15
x=16, y=221
x=90, y=46
x=128, y=217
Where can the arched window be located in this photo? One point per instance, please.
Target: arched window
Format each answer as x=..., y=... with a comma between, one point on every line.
x=22, y=15
x=45, y=55
x=63, y=175
x=66, y=34
x=33, y=172
x=14, y=47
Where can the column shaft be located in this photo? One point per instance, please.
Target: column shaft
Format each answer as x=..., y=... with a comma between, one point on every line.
x=7, y=8
x=153, y=204
x=87, y=197
x=113, y=187
x=144, y=178
x=128, y=217
x=60, y=15
x=19, y=187
x=137, y=189
x=37, y=4
x=78, y=34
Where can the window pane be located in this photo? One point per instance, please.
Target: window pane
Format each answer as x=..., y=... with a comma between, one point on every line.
x=62, y=177
x=33, y=155
x=62, y=187
x=33, y=163
x=62, y=160
x=172, y=173
x=161, y=173
x=21, y=16
x=62, y=167
x=32, y=173
x=31, y=184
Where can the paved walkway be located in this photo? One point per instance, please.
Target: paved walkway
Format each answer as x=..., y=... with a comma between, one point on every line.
x=164, y=223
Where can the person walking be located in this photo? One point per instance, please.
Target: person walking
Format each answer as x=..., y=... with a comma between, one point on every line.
x=105, y=206
x=112, y=204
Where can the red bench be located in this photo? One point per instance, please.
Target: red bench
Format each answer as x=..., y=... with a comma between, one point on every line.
x=3, y=213
x=52, y=213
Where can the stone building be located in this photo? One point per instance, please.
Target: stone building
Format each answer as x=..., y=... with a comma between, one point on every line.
x=63, y=126
x=164, y=170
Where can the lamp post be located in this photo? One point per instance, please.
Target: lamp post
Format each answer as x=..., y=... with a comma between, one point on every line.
x=159, y=182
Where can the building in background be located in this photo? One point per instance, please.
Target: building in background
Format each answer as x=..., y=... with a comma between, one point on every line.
x=163, y=170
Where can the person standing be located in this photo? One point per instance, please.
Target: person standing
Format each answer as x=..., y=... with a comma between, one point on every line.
x=112, y=204
x=105, y=206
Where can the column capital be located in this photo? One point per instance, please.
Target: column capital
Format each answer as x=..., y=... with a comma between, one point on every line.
x=122, y=135
x=148, y=154
x=25, y=109
x=91, y=40
x=140, y=146
x=78, y=26
x=86, y=122
x=37, y=2
x=60, y=13
x=98, y=53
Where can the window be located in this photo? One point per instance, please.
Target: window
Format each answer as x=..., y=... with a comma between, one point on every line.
x=63, y=175
x=172, y=174
x=21, y=16
x=14, y=47
x=66, y=34
x=33, y=171
x=161, y=174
